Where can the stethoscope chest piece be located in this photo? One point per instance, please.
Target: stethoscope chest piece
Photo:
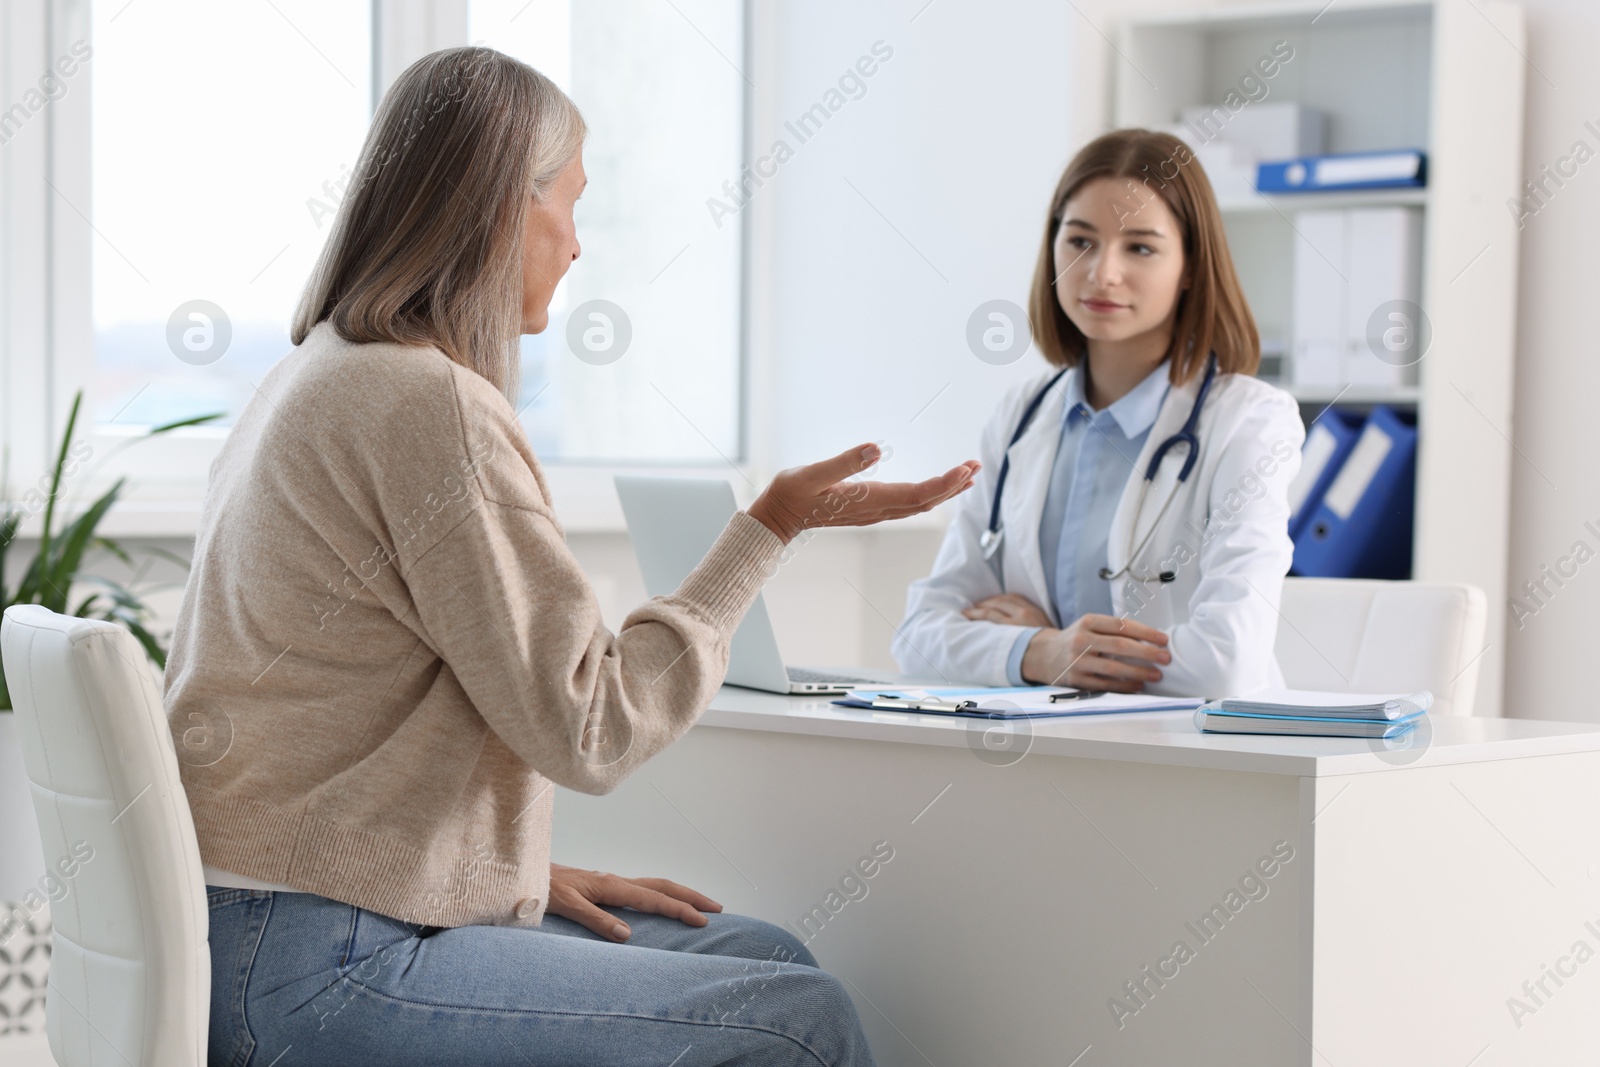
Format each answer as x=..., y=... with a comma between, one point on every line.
x=990, y=540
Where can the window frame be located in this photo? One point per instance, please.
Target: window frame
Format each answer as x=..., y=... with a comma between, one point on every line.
x=46, y=328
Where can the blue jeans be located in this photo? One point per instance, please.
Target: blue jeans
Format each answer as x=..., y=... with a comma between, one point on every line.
x=299, y=980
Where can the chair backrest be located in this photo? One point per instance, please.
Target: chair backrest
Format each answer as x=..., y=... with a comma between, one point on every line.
x=1369, y=636
x=130, y=968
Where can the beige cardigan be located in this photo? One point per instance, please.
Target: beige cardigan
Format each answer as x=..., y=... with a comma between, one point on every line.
x=386, y=653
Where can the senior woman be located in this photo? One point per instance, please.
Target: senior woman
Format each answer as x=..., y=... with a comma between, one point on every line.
x=386, y=657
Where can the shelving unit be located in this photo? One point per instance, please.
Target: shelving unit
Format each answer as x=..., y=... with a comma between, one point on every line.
x=1446, y=76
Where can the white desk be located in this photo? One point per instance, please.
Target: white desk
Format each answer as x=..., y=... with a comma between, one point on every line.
x=1426, y=886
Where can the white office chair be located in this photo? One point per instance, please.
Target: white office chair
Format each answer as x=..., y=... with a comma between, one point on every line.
x=130, y=970
x=1367, y=636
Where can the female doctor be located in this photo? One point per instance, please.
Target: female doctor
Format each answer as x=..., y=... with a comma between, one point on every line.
x=1128, y=529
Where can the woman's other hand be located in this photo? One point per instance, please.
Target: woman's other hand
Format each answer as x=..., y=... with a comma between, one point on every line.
x=1097, y=652
x=577, y=894
x=819, y=494
x=1013, y=609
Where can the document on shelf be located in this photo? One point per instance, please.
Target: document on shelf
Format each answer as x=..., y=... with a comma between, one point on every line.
x=1013, y=702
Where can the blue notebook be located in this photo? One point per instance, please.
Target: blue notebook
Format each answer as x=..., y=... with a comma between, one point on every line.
x=1211, y=720
x=1316, y=703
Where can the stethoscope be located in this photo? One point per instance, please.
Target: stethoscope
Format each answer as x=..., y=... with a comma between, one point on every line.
x=989, y=540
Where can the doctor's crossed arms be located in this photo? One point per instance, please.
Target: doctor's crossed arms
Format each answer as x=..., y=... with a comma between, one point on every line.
x=1092, y=652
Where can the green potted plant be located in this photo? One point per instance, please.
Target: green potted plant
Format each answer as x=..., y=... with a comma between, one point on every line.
x=57, y=565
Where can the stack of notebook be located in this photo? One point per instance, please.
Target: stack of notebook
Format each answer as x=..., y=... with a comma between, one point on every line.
x=1306, y=713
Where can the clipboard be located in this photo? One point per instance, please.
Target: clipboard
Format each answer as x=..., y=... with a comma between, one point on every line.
x=899, y=702
x=1025, y=702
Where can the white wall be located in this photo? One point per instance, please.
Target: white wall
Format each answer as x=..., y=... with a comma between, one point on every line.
x=1555, y=487
x=911, y=207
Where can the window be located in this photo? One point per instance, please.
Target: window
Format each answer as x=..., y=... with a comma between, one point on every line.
x=664, y=100
x=222, y=137
x=180, y=190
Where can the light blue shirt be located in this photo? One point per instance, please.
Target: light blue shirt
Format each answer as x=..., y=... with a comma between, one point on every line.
x=1096, y=452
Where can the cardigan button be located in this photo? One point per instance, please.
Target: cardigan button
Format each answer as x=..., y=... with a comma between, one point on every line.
x=528, y=908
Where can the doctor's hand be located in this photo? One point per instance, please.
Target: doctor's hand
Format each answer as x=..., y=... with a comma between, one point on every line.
x=819, y=494
x=1013, y=609
x=577, y=894
x=1097, y=652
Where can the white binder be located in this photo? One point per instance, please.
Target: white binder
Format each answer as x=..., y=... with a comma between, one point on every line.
x=1385, y=264
x=1350, y=265
x=1321, y=267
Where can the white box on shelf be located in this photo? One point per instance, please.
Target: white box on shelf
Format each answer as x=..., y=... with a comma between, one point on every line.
x=1259, y=131
x=1233, y=177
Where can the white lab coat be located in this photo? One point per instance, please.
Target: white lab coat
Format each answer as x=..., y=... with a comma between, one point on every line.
x=1225, y=535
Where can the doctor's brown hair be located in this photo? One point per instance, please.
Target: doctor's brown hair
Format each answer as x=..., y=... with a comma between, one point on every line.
x=1211, y=314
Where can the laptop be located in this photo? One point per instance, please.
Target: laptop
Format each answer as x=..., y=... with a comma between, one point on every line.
x=673, y=522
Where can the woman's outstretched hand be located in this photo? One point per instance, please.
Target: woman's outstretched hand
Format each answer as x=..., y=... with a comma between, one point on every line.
x=579, y=895
x=819, y=494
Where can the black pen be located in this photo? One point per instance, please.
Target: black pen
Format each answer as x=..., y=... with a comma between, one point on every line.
x=1076, y=694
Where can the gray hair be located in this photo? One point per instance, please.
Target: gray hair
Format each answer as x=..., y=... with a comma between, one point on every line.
x=426, y=248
